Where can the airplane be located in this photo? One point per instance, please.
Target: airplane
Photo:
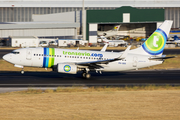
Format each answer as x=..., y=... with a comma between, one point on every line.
x=71, y=61
x=112, y=42
x=109, y=33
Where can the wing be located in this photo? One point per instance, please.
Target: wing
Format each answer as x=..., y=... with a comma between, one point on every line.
x=104, y=48
x=97, y=64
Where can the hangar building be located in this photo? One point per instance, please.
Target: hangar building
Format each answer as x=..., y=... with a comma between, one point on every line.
x=63, y=18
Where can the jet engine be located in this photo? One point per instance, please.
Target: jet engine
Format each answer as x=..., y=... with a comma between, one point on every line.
x=67, y=68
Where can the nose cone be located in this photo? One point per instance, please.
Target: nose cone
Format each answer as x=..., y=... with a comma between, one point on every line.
x=6, y=57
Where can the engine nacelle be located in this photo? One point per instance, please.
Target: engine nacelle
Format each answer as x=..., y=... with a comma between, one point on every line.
x=67, y=68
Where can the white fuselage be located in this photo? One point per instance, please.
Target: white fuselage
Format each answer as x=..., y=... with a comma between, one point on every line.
x=49, y=57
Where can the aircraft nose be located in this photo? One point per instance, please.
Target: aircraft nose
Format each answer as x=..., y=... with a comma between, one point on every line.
x=6, y=57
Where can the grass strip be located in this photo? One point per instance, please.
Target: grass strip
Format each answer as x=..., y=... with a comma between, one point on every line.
x=100, y=103
x=97, y=89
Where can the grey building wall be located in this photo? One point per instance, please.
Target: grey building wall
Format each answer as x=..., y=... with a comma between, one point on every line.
x=173, y=14
x=26, y=14
x=63, y=17
x=59, y=33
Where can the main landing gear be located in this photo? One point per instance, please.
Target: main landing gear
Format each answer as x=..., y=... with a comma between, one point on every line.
x=85, y=74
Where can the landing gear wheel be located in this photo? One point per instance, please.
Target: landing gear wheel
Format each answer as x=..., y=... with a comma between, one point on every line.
x=83, y=75
x=22, y=71
x=87, y=75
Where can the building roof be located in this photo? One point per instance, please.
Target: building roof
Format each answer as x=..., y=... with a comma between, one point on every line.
x=89, y=3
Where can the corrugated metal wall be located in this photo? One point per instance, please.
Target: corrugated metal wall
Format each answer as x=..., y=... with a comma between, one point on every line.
x=173, y=14
x=24, y=14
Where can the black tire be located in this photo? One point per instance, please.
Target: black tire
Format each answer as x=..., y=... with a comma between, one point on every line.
x=87, y=75
x=83, y=74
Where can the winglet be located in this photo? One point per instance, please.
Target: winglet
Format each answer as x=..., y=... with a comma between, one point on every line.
x=125, y=53
x=104, y=48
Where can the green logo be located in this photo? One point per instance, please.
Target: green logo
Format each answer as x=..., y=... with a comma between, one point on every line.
x=82, y=54
x=76, y=53
x=67, y=68
x=155, y=42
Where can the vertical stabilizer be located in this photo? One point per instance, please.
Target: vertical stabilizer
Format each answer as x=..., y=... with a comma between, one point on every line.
x=155, y=44
x=116, y=28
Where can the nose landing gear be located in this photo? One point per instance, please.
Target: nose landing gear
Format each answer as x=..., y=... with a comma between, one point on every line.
x=22, y=71
x=19, y=66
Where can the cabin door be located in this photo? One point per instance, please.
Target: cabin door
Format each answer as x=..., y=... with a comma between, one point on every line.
x=28, y=54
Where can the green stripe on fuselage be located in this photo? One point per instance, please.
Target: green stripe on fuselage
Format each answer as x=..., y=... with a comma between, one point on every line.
x=51, y=57
x=53, y=53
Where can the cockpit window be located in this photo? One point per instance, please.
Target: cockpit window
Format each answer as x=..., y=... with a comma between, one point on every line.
x=15, y=52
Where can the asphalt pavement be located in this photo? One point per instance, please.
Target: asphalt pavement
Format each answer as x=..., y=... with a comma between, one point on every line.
x=53, y=79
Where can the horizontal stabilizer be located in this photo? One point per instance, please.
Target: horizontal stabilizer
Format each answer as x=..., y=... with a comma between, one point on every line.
x=161, y=58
